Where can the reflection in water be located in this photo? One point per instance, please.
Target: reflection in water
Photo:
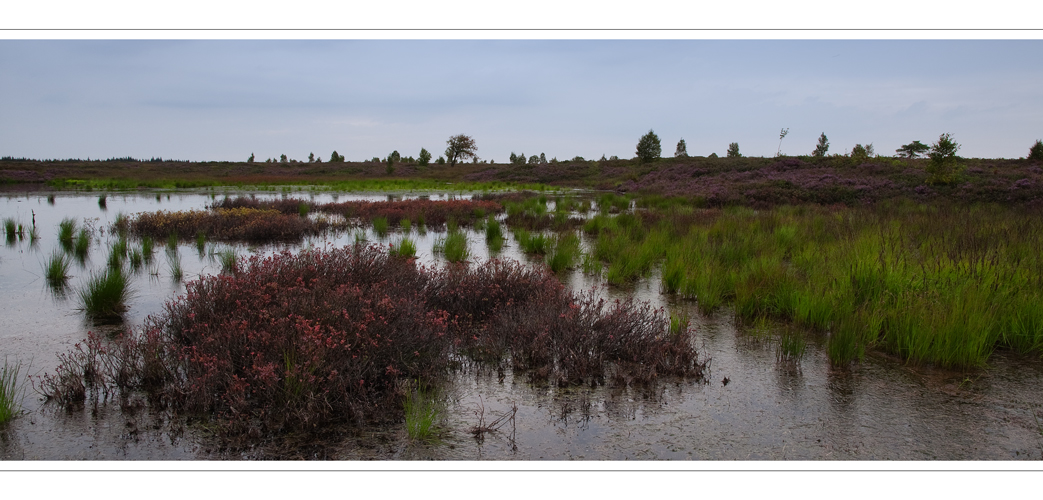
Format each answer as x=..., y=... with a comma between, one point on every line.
x=802, y=409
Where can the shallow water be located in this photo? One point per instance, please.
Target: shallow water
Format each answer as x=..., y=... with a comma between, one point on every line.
x=881, y=409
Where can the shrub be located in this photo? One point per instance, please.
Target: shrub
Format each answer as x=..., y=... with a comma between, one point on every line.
x=295, y=343
x=424, y=157
x=648, y=147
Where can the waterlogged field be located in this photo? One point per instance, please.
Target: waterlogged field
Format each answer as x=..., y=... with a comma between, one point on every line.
x=790, y=362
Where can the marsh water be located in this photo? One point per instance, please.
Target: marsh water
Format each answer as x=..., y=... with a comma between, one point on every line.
x=750, y=405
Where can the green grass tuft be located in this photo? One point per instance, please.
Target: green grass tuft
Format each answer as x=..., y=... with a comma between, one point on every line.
x=104, y=298
x=404, y=248
x=424, y=410
x=11, y=391
x=453, y=247
x=83, y=244
x=229, y=262
x=56, y=270
x=380, y=226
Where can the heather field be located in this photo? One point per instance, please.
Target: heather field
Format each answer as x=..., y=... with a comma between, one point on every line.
x=711, y=182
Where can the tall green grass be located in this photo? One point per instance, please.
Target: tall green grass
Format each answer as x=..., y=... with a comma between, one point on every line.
x=453, y=246
x=11, y=230
x=56, y=270
x=380, y=226
x=404, y=248
x=83, y=244
x=493, y=235
x=939, y=285
x=104, y=297
x=67, y=228
x=229, y=261
x=532, y=243
x=564, y=253
x=12, y=391
x=423, y=410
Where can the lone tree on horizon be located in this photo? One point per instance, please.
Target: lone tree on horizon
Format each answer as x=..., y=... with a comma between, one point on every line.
x=823, y=146
x=460, y=147
x=649, y=148
x=682, y=149
x=913, y=149
x=733, y=150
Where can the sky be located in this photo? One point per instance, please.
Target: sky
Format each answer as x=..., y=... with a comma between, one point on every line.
x=227, y=99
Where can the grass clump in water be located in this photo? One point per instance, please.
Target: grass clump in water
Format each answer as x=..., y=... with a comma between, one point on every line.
x=405, y=248
x=229, y=262
x=493, y=235
x=564, y=253
x=454, y=247
x=532, y=243
x=380, y=226
x=406, y=225
x=11, y=392
x=104, y=298
x=176, y=272
x=147, y=249
x=56, y=270
x=424, y=410
x=83, y=244
x=11, y=229
x=200, y=242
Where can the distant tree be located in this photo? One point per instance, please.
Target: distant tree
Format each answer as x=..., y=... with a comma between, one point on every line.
x=859, y=154
x=395, y=157
x=613, y=158
x=823, y=146
x=311, y=157
x=782, y=135
x=514, y=157
x=336, y=158
x=440, y=161
x=1036, y=151
x=944, y=164
x=459, y=147
x=250, y=159
x=682, y=150
x=733, y=150
x=869, y=150
x=543, y=159
x=578, y=158
x=913, y=149
x=282, y=159
x=424, y=158
x=318, y=159
x=554, y=159
x=648, y=148
x=374, y=159
x=534, y=160
x=712, y=155
x=603, y=158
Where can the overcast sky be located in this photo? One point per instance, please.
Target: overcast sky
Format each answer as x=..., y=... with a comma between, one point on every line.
x=223, y=100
